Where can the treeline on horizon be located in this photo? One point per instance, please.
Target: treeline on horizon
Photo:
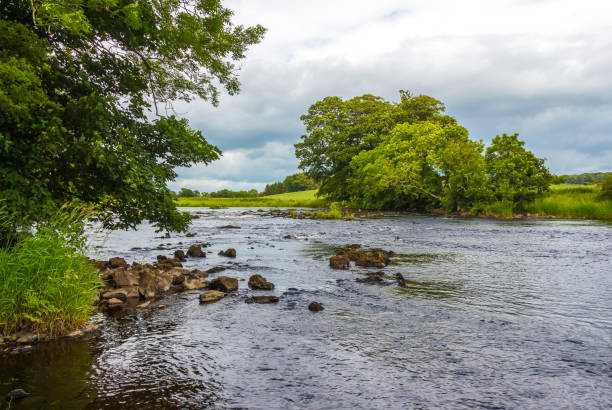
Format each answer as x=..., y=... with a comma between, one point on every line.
x=292, y=183
x=585, y=178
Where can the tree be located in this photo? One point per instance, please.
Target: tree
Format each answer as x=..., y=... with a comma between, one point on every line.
x=339, y=130
x=514, y=174
x=86, y=92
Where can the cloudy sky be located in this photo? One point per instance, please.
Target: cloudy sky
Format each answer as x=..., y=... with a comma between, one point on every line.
x=542, y=68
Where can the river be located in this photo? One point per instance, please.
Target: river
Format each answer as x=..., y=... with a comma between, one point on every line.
x=496, y=314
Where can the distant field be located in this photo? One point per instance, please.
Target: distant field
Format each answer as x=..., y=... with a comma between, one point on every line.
x=572, y=201
x=303, y=199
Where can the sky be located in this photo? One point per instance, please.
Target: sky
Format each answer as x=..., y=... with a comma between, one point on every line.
x=542, y=68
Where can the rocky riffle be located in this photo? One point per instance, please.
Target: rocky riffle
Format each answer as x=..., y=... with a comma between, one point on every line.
x=367, y=258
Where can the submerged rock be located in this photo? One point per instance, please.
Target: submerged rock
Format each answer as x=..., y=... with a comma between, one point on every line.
x=259, y=282
x=211, y=296
x=216, y=269
x=224, y=284
x=339, y=262
x=262, y=299
x=230, y=253
x=376, y=277
x=195, y=251
x=315, y=306
x=400, y=280
x=229, y=227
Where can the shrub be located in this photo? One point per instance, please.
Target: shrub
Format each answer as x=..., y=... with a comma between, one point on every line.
x=46, y=282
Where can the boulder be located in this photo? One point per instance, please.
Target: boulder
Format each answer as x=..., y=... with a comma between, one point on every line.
x=259, y=282
x=230, y=253
x=400, y=280
x=195, y=283
x=211, y=296
x=180, y=255
x=161, y=258
x=315, y=306
x=262, y=299
x=224, y=284
x=117, y=263
x=177, y=280
x=114, y=302
x=121, y=294
x=195, y=251
x=17, y=394
x=147, y=288
x=372, y=260
x=124, y=277
x=169, y=263
x=339, y=262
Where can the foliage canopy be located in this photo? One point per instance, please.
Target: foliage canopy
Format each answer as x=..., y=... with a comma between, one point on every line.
x=86, y=91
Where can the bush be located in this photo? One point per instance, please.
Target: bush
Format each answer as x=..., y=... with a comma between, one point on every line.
x=606, y=188
x=46, y=283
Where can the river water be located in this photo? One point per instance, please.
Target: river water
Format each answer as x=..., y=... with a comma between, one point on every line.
x=495, y=314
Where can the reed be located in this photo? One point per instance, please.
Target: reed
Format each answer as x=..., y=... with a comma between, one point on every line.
x=46, y=282
x=570, y=201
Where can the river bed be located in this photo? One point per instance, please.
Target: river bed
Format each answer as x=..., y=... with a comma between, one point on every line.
x=495, y=314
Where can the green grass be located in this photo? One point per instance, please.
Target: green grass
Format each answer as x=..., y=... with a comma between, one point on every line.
x=46, y=283
x=571, y=201
x=304, y=199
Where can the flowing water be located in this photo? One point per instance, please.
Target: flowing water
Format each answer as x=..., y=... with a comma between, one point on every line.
x=495, y=314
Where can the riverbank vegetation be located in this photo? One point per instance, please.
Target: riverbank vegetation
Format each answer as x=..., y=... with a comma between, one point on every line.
x=47, y=284
x=303, y=199
x=571, y=201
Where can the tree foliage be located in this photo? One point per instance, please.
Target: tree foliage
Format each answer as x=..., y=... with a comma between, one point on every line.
x=410, y=155
x=292, y=183
x=513, y=173
x=86, y=88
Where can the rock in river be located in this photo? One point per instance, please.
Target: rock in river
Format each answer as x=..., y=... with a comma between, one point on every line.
x=315, y=307
x=259, y=282
x=262, y=299
x=195, y=251
x=211, y=296
x=180, y=255
x=339, y=262
x=224, y=284
x=230, y=253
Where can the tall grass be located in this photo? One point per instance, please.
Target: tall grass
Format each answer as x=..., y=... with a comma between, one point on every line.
x=46, y=282
x=570, y=201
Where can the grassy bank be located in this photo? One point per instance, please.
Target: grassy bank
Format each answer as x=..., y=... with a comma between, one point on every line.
x=572, y=201
x=46, y=284
x=306, y=199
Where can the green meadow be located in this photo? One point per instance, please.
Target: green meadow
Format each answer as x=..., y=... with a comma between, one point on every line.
x=572, y=201
x=302, y=199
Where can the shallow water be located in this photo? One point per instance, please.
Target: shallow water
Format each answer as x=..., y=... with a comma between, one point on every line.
x=495, y=314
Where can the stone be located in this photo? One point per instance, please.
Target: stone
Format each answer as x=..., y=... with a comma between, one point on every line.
x=161, y=258
x=144, y=305
x=180, y=255
x=190, y=235
x=120, y=294
x=262, y=299
x=17, y=394
x=195, y=251
x=228, y=227
x=211, y=296
x=117, y=263
x=124, y=277
x=400, y=280
x=371, y=260
x=113, y=302
x=177, y=280
x=315, y=306
x=339, y=262
x=26, y=338
x=216, y=269
x=195, y=283
x=376, y=277
x=259, y=282
x=169, y=263
x=224, y=284
x=230, y=253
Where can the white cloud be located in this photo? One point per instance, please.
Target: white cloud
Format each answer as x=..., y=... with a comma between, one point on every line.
x=540, y=68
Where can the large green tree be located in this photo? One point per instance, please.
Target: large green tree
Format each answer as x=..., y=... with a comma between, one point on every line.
x=86, y=92
x=514, y=174
x=338, y=130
